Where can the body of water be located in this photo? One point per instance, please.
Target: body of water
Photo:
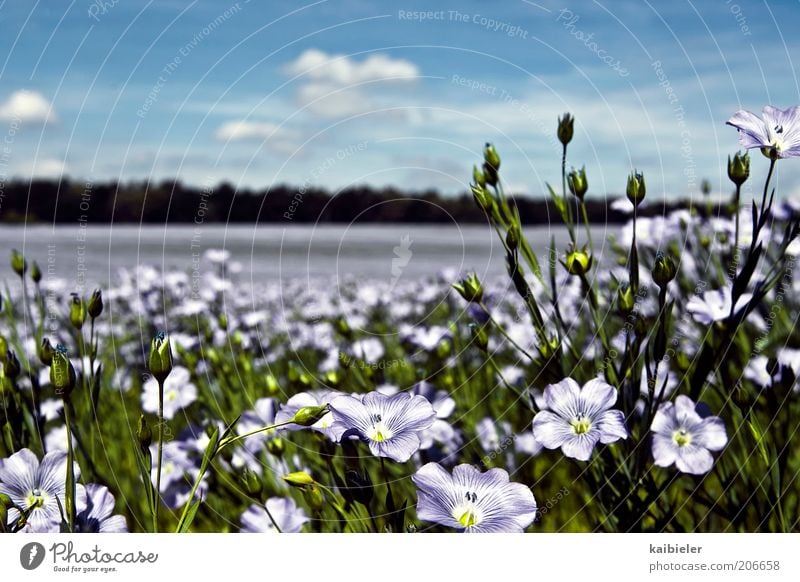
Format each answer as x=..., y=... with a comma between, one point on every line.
x=93, y=255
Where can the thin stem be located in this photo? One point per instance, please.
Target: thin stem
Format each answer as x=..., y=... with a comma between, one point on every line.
x=69, y=498
x=160, y=450
x=736, y=231
x=240, y=437
x=503, y=332
x=586, y=224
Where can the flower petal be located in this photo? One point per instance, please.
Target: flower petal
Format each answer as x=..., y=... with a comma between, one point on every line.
x=597, y=396
x=580, y=447
x=710, y=433
x=551, y=430
x=18, y=474
x=611, y=426
x=752, y=129
x=563, y=398
x=694, y=459
x=665, y=451
x=351, y=412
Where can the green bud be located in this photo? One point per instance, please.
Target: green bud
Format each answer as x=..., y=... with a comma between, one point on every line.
x=664, y=269
x=160, y=357
x=705, y=187
x=578, y=261
x=3, y=345
x=625, y=299
x=478, y=177
x=470, y=288
x=549, y=348
x=566, y=128
x=276, y=446
x=77, y=311
x=222, y=320
x=443, y=349
x=578, y=184
x=5, y=505
x=45, y=352
x=36, y=273
x=272, y=384
x=332, y=378
x=491, y=157
x=144, y=435
x=314, y=498
x=636, y=188
x=11, y=367
x=250, y=482
x=309, y=415
x=18, y=263
x=62, y=372
x=95, y=306
x=512, y=237
x=299, y=479
x=739, y=168
x=479, y=336
x=482, y=197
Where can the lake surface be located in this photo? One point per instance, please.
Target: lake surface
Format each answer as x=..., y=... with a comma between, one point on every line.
x=93, y=255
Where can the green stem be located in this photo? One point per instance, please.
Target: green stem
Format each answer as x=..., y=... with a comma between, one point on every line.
x=160, y=453
x=69, y=498
x=586, y=224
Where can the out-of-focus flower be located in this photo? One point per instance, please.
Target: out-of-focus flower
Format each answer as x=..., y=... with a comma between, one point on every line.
x=472, y=501
x=95, y=514
x=715, y=305
x=35, y=486
x=777, y=132
x=578, y=418
x=288, y=517
x=389, y=424
x=179, y=392
x=757, y=371
x=683, y=438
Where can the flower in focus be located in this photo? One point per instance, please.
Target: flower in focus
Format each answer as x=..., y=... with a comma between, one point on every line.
x=179, y=393
x=288, y=517
x=34, y=486
x=95, y=515
x=777, y=132
x=311, y=399
x=715, y=305
x=472, y=501
x=578, y=418
x=683, y=438
x=389, y=424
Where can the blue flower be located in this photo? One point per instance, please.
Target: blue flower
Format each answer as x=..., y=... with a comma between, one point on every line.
x=35, y=486
x=324, y=425
x=284, y=511
x=578, y=419
x=778, y=131
x=389, y=424
x=472, y=501
x=683, y=438
x=95, y=512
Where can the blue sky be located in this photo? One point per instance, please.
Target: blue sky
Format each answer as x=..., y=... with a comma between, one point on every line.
x=339, y=92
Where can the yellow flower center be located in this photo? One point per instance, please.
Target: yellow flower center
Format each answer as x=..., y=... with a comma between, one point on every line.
x=467, y=513
x=36, y=498
x=681, y=437
x=379, y=432
x=580, y=424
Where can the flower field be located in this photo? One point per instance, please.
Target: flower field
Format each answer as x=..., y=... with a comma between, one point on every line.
x=643, y=383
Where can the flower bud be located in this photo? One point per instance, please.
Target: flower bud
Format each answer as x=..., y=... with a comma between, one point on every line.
x=309, y=415
x=491, y=157
x=314, y=498
x=62, y=372
x=160, y=357
x=3, y=345
x=578, y=261
x=250, y=482
x=636, y=188
x=11, y=367
x=470, y=288
x=18, y=263
x=625, y=299
x=577, y=182
x=5, y=505
x=77, y=311
x=272, y=384
x=95, y=306
x=566, y=128
x=512, y=237
x=482, y=197
x=36, y=273
x=549, y=348
x=276, y=446
x=479, y=336
x=739, y=168
x=478, y=177
x=299, y=479
x=664, y=269
x=144, y=435
x=222, y=321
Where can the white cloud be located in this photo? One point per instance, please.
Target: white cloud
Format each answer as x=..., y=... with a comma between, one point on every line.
x=330, y=101
x=246, y=131
x=44, y=168
x=342, y=70
x=27, y=106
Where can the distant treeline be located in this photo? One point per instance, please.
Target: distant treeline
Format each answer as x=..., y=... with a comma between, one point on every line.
x=68, y=201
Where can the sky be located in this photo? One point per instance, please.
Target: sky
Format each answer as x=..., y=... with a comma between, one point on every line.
x=404, y=93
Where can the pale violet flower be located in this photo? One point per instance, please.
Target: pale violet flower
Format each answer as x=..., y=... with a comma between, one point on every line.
x=757, y=372
x=441, y=431
x=96, y=513
x=389, y=424
x=472, y=501
x=578, y=418
x=715, y=305
x=683, y=438
x=35, y=486
x=179, y=392
x=778, y=130
x=288, y=517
